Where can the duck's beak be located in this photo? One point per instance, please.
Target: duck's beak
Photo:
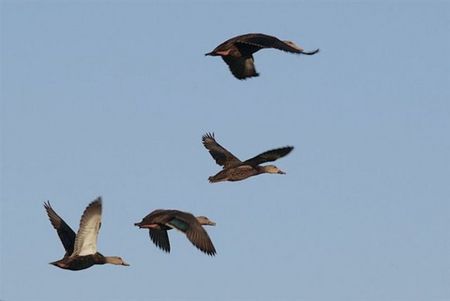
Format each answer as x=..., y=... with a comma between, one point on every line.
x=281, y=172
x=310, y=52
x=209, y=53
x=125, y=264
x=211, y=223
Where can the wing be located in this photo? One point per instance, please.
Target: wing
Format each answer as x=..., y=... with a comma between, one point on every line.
x=269, y=156
x=199, y=238
x=160, y=239
x=86, y=240
x=189, y=225
x=265, y=41
x=65, y=233
x=241, y=67
x=220, y=154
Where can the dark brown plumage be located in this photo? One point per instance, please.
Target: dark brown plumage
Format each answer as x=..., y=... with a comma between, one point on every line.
x=236, y=170
x=238, y=52
x=81, y=248
x=160, y=221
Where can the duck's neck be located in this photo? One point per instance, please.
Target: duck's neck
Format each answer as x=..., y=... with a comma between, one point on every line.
x=261, y=169
x=113, y=260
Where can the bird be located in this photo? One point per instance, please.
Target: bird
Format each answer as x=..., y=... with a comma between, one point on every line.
x=81, y=248
x=161, y=220
x=238, y=52
x=237, y=170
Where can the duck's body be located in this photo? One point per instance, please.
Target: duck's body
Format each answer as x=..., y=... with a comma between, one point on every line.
x=238, y=52
x=81, y=248
x=240, y=172
x=77, y=263
x=237, y=170
x=160, y=221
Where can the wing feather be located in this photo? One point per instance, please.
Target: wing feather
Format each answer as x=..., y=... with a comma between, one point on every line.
x=200, y=238
x=188, y=224
x=221, y=155
x=65, y=233
x=269, y=156
x=160, y=239
x=260, y=41
x=86, y=239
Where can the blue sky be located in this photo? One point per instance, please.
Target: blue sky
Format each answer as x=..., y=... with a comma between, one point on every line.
x=111, y=98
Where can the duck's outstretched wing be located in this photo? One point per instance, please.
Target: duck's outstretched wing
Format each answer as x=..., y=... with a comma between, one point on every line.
x=269, y=156
x=188, y=224
x=254, y=41
x=65, y=233
x=222, y=156
x=86, y=239
x=160, y=239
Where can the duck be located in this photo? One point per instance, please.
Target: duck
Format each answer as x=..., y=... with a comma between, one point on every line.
x=81, y=248
x=159, y=221
x=237, y=170
x=237, y=52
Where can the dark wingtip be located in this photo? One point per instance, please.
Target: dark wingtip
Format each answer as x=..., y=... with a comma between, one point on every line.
x=208, y=135
x=284, y=151
x=98, y=200
x=289, y=149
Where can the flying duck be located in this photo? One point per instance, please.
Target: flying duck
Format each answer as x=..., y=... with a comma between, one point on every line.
x=160, y=221
x=238, y=52
x=81, y=248
x=236, y=170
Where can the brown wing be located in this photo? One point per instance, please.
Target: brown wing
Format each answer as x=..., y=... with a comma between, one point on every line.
x=241, y=67
x=65, y=233
x=199, y=238
x=86, y=239
x=269, y=156
x=160, y=239
x=260, y=41
x=194, y=231
x=222, y=156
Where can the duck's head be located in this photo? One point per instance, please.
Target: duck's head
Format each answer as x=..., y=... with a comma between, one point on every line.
x=300, y=49
x=203, y=220
x=273, y=169
x=293, y=45
x=116, y=260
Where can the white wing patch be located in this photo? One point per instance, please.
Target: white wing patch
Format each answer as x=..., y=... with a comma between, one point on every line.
x=86, y=240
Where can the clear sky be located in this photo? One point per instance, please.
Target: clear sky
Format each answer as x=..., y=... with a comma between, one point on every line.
x=111, y=98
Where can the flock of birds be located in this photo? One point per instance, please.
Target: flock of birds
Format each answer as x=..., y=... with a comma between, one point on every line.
x=81, y=247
